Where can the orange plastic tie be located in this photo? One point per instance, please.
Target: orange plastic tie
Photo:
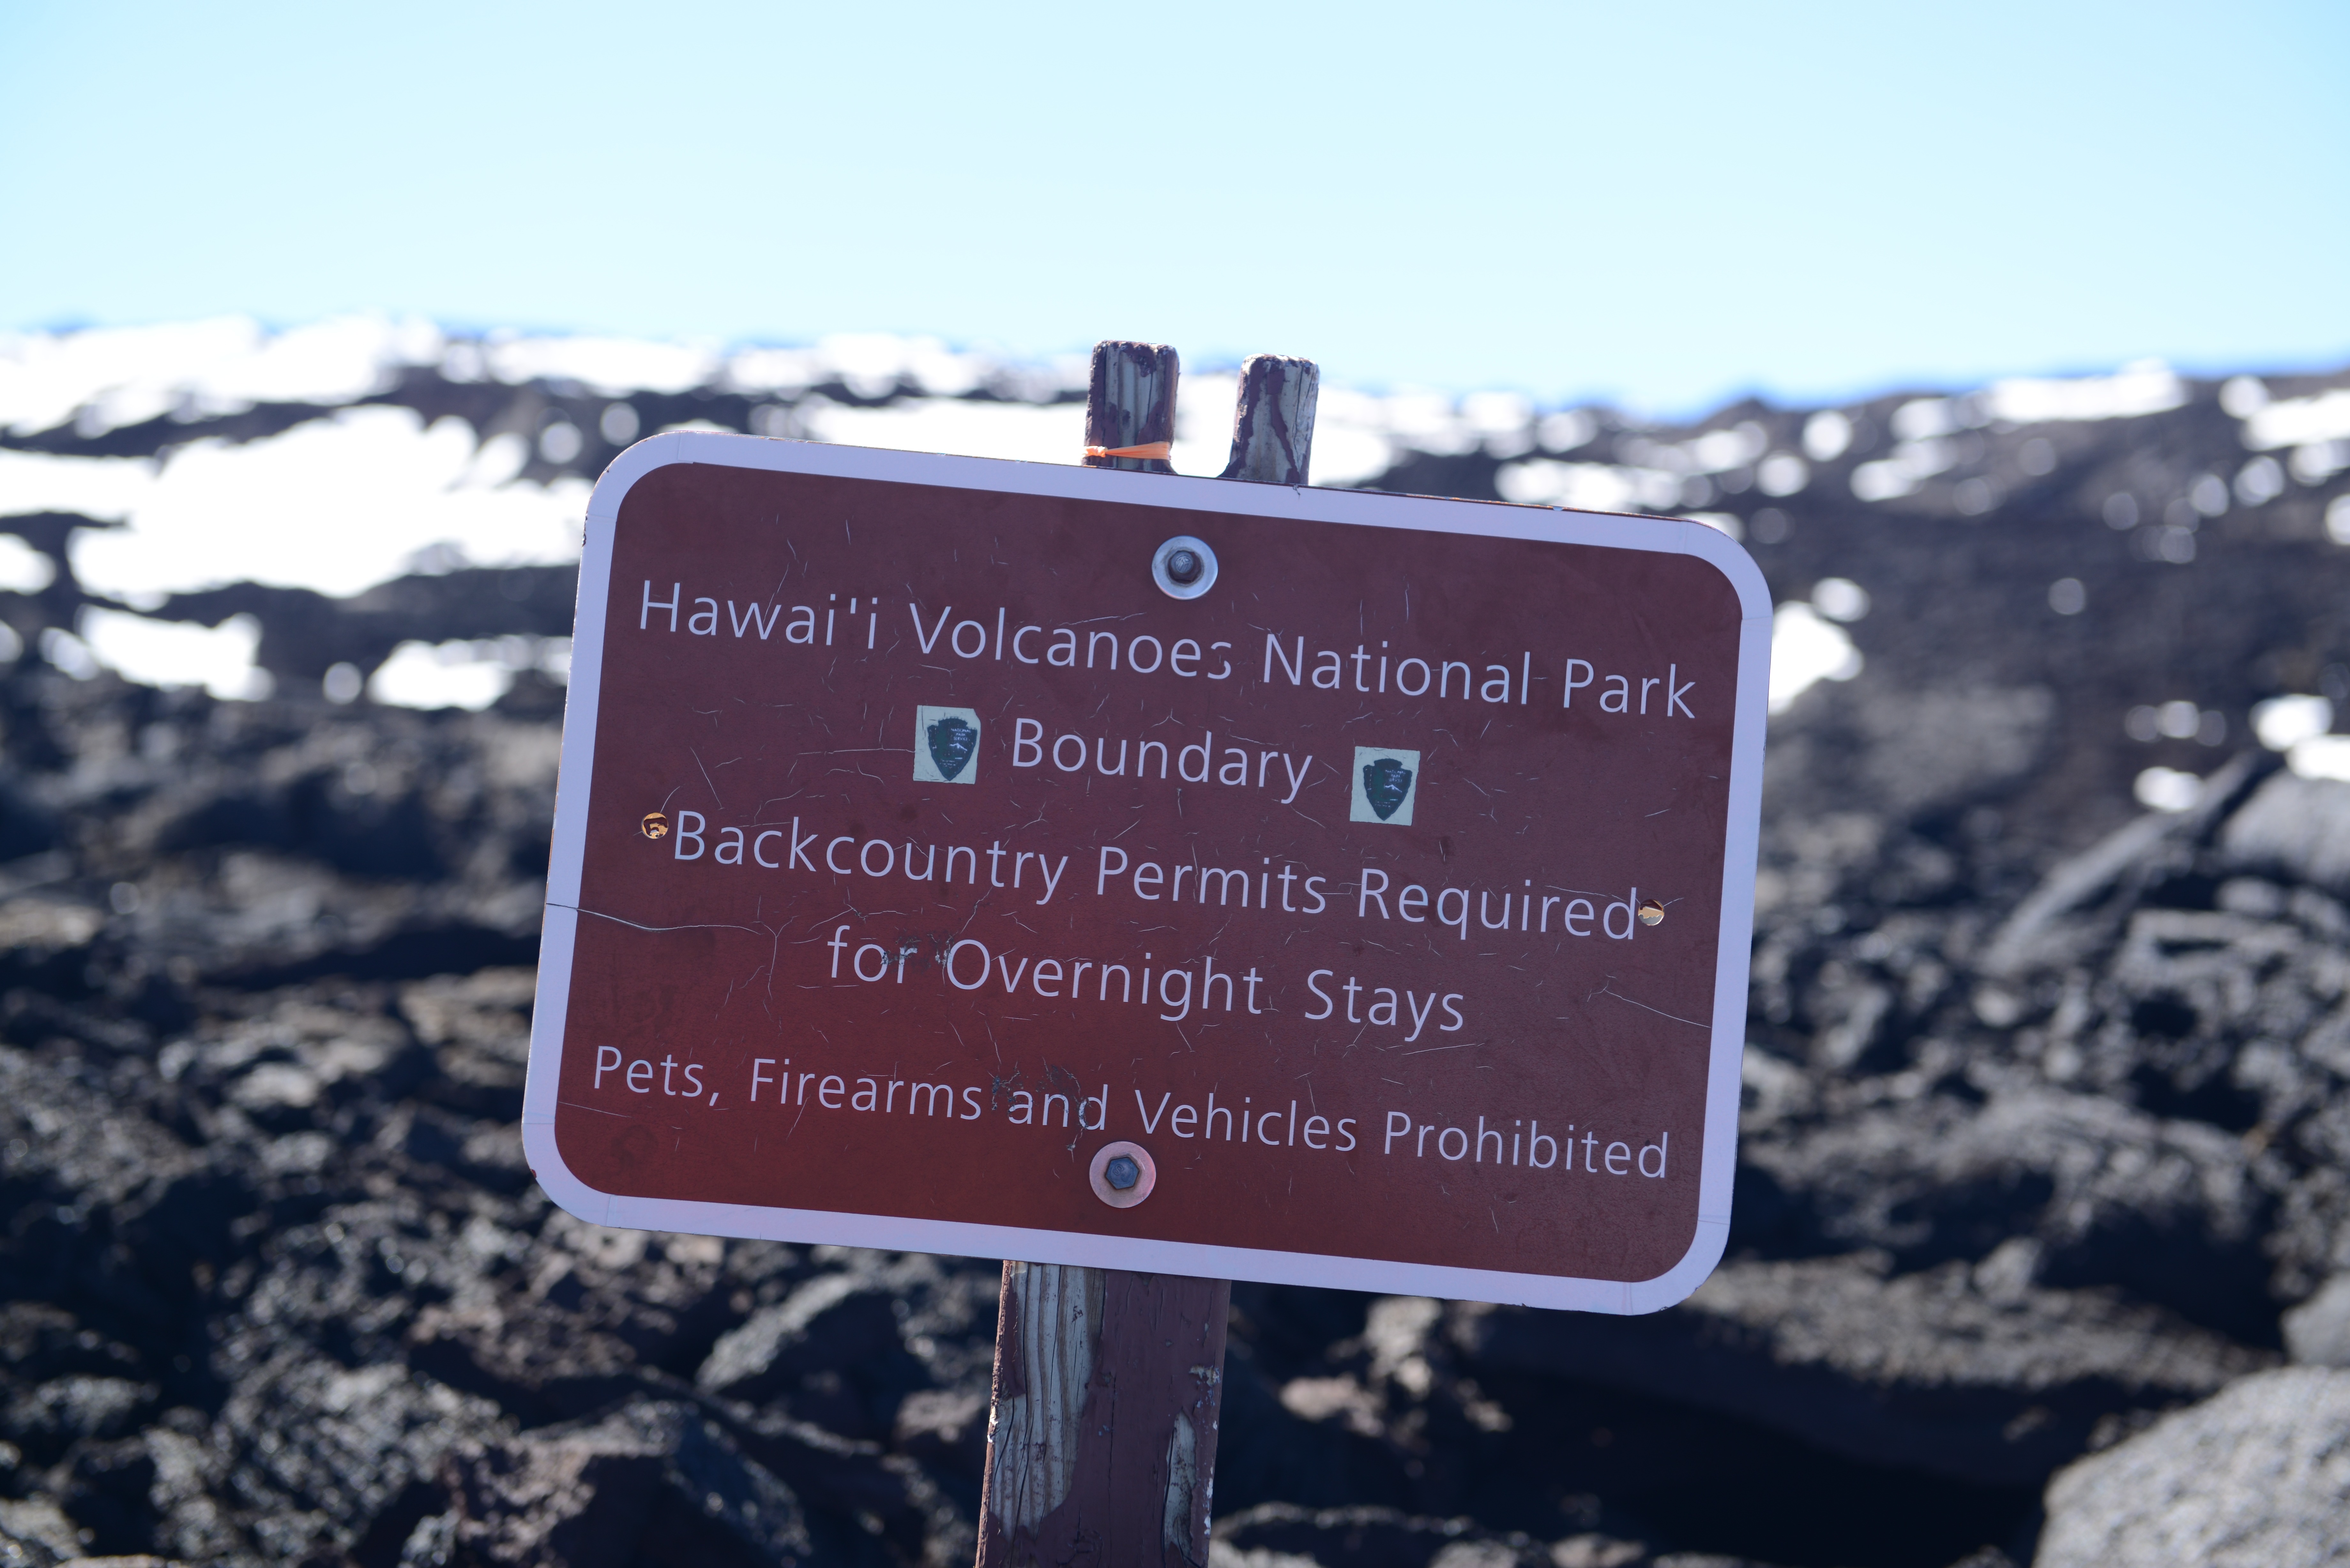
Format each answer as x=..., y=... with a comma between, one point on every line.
x=1161, y=449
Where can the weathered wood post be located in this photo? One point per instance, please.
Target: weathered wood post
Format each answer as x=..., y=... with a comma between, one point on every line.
x=1101, y=1441
x=1273, y=425
x=1130, y=407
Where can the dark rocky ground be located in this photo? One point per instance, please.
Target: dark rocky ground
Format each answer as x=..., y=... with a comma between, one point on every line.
x=2047, y=1117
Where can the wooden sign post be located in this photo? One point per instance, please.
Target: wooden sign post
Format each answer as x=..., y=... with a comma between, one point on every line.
x=1155, y=880
x=1101, y=1442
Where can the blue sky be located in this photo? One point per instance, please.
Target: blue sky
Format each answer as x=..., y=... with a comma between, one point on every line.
x=1663, y=203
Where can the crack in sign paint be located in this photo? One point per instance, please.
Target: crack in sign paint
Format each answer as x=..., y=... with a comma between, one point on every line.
x=1644, y=1007
x=633, y=925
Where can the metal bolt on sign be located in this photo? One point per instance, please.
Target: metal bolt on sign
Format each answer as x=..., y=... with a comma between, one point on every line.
x=1184, y=568
x=1122, y=1174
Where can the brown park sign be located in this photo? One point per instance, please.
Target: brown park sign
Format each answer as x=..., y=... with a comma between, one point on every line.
x=944, y=860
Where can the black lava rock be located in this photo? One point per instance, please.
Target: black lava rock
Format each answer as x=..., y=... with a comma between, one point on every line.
x=2046, y=1121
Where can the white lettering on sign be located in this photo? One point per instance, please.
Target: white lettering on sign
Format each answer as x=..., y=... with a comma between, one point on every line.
x=983, y=637
x=1393, y=999
x=1198, y=762
x=1569, y=1150
x=1290, y=888
x=1523, y=1144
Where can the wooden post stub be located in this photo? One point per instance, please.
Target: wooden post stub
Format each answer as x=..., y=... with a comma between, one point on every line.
x=1131, y=402
x=1109, y=1385
x=1272, y=424
x=1101, y=1445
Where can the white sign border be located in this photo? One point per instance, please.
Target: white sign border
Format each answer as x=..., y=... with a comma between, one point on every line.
x=1352, y=508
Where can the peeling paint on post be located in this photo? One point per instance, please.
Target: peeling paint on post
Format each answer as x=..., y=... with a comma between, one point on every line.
x=1273, y=423
x=1101, y=1445
x=1047, y=1326
x=1131, y=403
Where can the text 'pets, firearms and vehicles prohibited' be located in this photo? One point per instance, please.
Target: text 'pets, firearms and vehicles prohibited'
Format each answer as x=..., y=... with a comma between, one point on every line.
x=1177, y=875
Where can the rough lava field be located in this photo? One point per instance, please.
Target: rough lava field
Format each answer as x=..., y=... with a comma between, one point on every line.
x=2041, y=1244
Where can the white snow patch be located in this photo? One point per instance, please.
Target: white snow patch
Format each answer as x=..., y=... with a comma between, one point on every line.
x=1567, y=430
x=465, y=674
x=1203, y=422
x=105, y=488
x=2241, y=395
x=107, y=378
x=757, y=371
x=2167, y=789
x=1912, y=463
x=2142, y=387
x=1351, y=443
x=605, y=366
x=1783, y=473
x=174, y=653
x=1430, y=421
x=1717, y=452
x=1840, y=598
x=2319, y=461
x=1805, y=649
x=2283, y=723
x=336, y=504
x=1493, y=414
x=1358, y=435
x=1922, y=417
x=2298, y=422
x=1588, y=486
x=1827, y=435
x=1052, y=434
x=2320, y=757
x=69, y=653
x=23, y=569
x=2260, y=481
x=419, y=675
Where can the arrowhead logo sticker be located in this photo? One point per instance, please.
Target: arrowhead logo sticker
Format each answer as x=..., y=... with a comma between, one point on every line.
x=946, y=745
x=1387, y=785
x=951, y=740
